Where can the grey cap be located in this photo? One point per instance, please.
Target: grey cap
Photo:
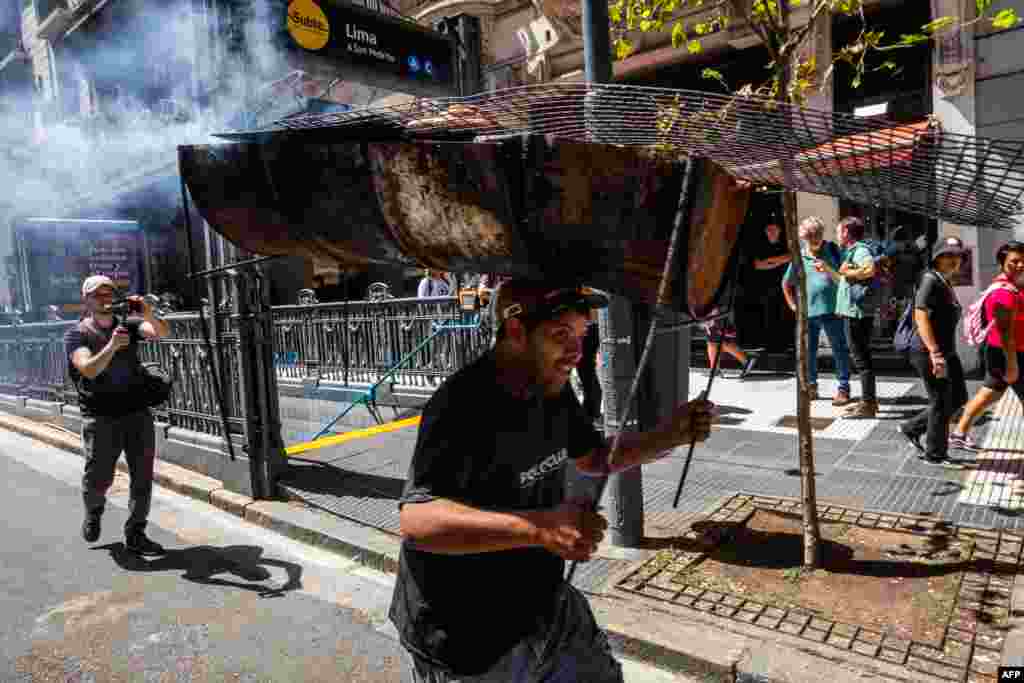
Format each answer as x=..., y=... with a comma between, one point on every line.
x=949, y=246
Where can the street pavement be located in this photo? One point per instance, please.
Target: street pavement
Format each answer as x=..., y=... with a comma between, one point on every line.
x=864, y=464
x=228, y=602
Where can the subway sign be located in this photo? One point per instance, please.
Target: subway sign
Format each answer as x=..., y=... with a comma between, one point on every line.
x=399, y=48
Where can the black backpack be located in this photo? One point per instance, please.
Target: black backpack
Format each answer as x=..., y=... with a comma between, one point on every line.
x=158, y=384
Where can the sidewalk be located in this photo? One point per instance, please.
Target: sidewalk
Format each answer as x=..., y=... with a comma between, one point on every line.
x=344, y=498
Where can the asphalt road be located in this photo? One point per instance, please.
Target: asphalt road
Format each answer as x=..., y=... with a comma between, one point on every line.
x=228, y=602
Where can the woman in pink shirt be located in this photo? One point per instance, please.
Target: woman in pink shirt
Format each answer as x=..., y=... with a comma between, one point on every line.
x=1004, y=346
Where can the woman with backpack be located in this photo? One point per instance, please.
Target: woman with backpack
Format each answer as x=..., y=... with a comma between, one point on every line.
x=933, y=354
x=1002, y=313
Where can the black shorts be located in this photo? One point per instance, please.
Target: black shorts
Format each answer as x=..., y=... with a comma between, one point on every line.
x=995, y=370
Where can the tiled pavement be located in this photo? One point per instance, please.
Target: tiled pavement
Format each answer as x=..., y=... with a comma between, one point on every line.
x=864, y=464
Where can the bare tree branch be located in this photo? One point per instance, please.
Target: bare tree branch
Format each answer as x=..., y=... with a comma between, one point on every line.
x=744, y=8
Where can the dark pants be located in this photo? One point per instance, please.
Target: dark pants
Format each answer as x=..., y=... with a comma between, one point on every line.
x=573, y=650
x=103, y=439
x=945, y=397
x=587, y=370
x=858, y=334
x=768, y=322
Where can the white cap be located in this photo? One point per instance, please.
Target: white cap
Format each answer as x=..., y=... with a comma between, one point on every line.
x=94, y=282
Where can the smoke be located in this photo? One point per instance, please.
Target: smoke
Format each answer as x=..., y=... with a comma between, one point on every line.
x=133, y=84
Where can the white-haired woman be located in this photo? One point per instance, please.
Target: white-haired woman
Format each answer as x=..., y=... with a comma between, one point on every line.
x=820, y=255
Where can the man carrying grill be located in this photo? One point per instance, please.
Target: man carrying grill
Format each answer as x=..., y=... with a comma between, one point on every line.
x=481, y=595
x=103, y=361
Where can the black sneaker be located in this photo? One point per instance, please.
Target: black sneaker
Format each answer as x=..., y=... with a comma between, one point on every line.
x=748, y=367
x=91, y=526
x=141, y=544
x=943, y=462
x=915, y=441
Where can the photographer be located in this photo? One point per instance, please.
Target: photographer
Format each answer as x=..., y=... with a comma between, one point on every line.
x=103, y=354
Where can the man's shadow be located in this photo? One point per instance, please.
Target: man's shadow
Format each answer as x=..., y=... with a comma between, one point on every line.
x=202, y=563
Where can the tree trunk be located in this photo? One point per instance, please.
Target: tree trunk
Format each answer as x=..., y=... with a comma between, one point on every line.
x=808, y=494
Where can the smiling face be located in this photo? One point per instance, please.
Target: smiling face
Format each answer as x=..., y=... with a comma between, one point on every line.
x=98, y=302
x=553, y=348
x=1013, y=266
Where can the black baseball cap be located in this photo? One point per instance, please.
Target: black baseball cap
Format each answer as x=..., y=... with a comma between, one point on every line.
x=535, y=302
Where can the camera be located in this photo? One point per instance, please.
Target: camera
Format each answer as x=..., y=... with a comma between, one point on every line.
x=125, y=307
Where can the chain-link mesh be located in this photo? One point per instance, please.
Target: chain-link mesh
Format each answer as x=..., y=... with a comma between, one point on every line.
x=918, y=167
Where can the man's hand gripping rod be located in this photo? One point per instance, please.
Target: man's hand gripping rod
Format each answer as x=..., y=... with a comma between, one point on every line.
x=670, y=259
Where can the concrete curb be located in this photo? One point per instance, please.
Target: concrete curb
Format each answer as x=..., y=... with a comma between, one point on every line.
x=701, y=646
x=365, y=545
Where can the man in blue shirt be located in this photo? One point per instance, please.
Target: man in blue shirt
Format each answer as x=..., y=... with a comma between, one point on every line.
x=819, y=255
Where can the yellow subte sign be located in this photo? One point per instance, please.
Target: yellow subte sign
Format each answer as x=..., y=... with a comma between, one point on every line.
x=308, y=24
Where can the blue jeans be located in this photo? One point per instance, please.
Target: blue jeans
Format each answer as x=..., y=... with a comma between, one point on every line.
x=836, y=331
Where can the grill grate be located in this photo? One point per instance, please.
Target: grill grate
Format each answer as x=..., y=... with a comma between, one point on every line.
x=917, y=167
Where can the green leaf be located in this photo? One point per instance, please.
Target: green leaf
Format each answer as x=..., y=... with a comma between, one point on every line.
x=678, y=34
x=694, y=47
x=712, y=74
x=1006, y=18
x=715, y=75
x=615, y=13
x=982, y=5
x=913, y=38
x=623, y=48
x=939, y=25
x=646, y=25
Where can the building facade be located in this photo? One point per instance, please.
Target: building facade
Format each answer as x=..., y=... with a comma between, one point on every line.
x=968, y=81
x=96, y=95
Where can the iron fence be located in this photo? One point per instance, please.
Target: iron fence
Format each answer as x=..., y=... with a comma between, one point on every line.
x=354, y=342
x=357, y=342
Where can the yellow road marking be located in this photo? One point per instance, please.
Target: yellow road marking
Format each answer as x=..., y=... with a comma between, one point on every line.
x=351, y=436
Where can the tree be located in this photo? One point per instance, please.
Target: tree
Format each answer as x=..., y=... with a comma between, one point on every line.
x=791, y=78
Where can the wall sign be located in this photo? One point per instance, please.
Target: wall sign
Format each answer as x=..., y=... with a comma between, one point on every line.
x=352, y=34
x=60, y=253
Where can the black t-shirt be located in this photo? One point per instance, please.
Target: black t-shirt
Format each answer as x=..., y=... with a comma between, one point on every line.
x=115, y=391
x=767, y=282
x=939, y=299
x=482, y=447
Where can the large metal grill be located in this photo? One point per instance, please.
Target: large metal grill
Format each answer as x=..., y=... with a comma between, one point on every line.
x=916, y=167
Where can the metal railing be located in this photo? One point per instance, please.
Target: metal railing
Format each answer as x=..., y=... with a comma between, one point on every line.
x=357, y=342
x=354, y=343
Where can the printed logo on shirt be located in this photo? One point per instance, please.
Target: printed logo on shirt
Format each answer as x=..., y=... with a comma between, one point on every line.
x=543, y=468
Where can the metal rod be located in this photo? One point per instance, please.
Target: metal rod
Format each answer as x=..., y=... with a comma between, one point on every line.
x=711, y=377
x=682, y=215
x=237, y=264
x=704, y=396
x=597, y=42
x=202, y=318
